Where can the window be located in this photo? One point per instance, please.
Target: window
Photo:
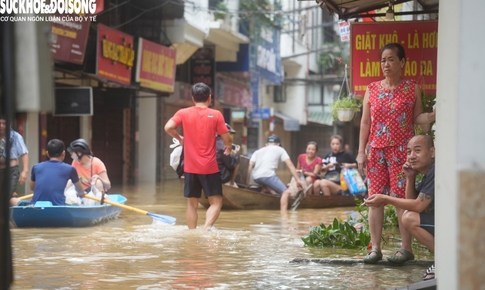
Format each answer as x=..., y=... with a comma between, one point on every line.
x=279, y=93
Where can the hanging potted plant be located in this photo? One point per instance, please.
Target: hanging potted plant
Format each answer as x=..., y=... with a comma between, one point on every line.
x=344, y=108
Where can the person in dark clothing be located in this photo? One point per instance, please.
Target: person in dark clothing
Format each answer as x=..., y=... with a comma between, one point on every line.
x=333, y=163
x=418, y=217
x=228, y=164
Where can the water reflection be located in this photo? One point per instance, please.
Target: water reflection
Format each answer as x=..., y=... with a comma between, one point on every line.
x=248, y=250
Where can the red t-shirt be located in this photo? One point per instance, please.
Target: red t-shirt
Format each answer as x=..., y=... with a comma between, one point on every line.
x=200, y=127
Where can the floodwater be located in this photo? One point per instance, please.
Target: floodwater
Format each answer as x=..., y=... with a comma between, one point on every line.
x=247, y=250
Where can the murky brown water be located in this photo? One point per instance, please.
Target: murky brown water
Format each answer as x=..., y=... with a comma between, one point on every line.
x=248, y=250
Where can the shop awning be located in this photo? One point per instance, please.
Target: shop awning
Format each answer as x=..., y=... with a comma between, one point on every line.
x=357, y=8
x=320, y=118
x=289, y=124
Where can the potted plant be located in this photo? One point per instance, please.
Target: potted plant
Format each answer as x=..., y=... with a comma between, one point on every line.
x=221, y=12
x=344, y=108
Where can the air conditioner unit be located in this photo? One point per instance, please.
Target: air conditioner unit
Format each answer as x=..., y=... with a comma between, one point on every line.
x=73, y=101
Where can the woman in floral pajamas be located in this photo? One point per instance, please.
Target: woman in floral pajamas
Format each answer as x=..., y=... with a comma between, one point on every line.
x=391, y=108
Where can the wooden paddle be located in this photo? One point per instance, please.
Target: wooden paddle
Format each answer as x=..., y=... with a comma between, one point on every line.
x=163, y=218
x=26, y=196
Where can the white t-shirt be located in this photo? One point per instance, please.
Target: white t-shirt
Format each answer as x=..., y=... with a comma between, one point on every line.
x=266, y=160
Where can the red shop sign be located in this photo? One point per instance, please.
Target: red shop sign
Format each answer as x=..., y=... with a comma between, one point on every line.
x=420, y=42
x=155, y=67
x=234, y=93
x=115, y=55
x=69, y=40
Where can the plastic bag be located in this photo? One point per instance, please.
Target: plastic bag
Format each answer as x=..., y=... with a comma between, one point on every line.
x=94, y=192
x=294, y=186
x=354, y=181
x=175, y=155
x=71, y=195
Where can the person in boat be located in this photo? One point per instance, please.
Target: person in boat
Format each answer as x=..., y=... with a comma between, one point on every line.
x=263, y=165
x=228, y=164
x=333, y=163
x=201, y=124
x=308, y=166
x=49, y=178
x=91, y=170
x=418, y=206
x=18, y=151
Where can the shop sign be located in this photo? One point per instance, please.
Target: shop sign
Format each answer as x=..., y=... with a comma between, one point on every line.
x=234, y=93
x=420, y=42
x=202, y=67
x=255, y=89
x=155, y=67
x=69, y=40
x=263, y=114
x=266, y=48
x=115, y=55
x=344, y=28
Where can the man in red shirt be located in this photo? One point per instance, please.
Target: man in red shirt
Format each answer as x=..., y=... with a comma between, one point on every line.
x=200, y=125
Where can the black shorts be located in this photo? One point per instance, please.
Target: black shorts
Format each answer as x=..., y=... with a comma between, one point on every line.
x=195, y=183
x=14, y=179
x=427, y=222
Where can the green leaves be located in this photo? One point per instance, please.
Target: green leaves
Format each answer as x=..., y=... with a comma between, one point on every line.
x=347, y=102
x=222, y=10
x=338, y=234
x=343, y=234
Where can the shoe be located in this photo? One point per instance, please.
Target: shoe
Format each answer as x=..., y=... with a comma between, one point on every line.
x=233, y=185
x=399, y=260
x=429, y=273
x=373, y=259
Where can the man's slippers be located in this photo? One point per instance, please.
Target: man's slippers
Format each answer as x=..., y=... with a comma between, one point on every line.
x=429, y=273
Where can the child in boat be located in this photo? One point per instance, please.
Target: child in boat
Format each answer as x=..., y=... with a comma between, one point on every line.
x=49, y=178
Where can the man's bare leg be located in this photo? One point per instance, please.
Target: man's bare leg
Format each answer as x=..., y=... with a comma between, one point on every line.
x=405, y=234
x=191, y=212
x=236, y=171
x=213, y=211
x=411, y=222
x=284, y=200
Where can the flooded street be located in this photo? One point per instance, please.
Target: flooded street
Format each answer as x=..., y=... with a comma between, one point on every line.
x=247, y=250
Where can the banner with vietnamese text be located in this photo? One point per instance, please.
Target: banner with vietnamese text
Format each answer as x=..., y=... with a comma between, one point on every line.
x=115, y=55
x=156, y=66
x=420, y=42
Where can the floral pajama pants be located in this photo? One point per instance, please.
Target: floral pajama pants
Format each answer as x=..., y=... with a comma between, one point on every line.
x=384, y=171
